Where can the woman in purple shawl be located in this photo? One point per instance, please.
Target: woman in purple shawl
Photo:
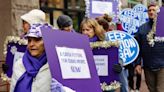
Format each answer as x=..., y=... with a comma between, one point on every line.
x=31, y=73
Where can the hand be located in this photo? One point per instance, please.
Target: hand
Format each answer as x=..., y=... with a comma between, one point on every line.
x=56, y=86
x=5, y=78
x=5, y=67
x=138, y=69
x=117, y=68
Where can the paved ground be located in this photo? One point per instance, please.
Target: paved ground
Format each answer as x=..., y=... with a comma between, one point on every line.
x=143, y=85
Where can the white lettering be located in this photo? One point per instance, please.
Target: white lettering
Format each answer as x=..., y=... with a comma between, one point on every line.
x=111, y=37
x=128, y=53
x=131, y=43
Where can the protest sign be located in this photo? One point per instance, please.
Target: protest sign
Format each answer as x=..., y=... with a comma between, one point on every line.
x=141, y=11
x=105, y=58
x=128, y=48
x=95, y=8
x=132, y=19
x=160, y=22
x=74, y=61
x=71, y=60
x=15, y=47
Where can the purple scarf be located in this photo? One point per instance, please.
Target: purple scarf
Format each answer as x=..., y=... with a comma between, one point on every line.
x=32, y=66
x=93, y=39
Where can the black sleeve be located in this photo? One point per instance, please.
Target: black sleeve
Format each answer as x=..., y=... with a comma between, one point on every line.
x=137, y=36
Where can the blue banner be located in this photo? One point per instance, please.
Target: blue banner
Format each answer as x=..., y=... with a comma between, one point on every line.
x=141, y=12
x=129, y=19
x=128, y=46
x=132, y=19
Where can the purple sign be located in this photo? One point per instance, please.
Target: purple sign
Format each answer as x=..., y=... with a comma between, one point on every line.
x=160, y=22
x=13, y=47
x=63, y=51
x=112, y=54
x=95, y=8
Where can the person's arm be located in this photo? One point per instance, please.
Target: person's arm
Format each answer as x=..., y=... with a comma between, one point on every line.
x=56, y=86
x=137, y=62
x=138, y=67
x=3, y=75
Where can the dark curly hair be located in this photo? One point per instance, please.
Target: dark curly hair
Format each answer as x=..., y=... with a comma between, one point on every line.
x=104, y=23
x=107, y=17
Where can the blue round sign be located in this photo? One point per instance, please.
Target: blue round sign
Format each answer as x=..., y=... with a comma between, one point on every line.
x=141, y=11
x=132, y=19
x=129, y=20
x=128, y=48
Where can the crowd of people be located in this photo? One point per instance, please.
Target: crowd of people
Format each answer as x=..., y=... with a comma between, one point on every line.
x=27, y=71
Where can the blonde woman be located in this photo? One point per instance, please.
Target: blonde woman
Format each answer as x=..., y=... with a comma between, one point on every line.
x=92, y=29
